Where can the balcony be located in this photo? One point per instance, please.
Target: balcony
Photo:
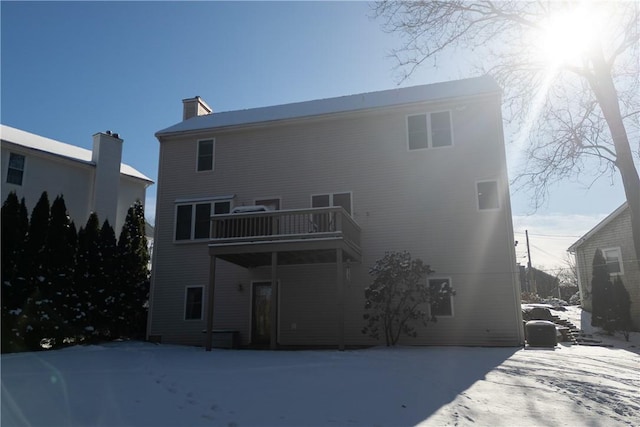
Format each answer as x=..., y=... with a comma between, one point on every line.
x=299, y=236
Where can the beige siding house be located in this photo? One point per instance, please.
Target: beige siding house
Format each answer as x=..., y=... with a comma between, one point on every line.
x=90, y=180
x=613, y=237
x=269, y=219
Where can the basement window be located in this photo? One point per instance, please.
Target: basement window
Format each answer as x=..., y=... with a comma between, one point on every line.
x=193, y=302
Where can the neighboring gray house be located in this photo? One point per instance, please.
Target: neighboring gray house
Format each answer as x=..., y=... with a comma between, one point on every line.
x=90, y=180
x=282, y=210
x=613, y=237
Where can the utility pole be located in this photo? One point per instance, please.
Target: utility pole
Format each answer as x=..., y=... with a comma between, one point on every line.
x=530, y=282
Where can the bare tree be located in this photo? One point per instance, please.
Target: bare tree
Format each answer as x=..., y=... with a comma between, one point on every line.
x=577, y=114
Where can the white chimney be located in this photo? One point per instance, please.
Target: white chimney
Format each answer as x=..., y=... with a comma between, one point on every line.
x=192, y=107
x=107, y=155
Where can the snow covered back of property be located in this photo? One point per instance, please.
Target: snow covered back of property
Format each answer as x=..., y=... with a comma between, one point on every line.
x=142, y=384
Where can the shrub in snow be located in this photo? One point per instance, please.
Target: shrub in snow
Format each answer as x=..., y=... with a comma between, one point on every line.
x=399, y=297
x=600, y=289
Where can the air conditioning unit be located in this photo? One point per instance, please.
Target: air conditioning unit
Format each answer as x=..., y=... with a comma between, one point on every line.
x=541, y=333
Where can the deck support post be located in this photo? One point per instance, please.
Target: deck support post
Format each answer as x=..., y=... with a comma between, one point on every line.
x=210, y=300
x=340, y=298
x=274, y=301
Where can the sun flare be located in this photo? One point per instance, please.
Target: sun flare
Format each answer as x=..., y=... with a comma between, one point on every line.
x=568, y=35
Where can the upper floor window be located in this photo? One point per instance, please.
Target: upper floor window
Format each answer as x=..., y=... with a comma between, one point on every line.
x=613, y=257
x=488, y=195
x=332, y=199
x=430, y=130
x=441, y=290
x=15, y=171
x=193, y=219
x=206, y=155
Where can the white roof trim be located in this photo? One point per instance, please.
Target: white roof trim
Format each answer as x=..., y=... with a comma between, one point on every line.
x=613, y=215
x=483, y=85
x=57, y=148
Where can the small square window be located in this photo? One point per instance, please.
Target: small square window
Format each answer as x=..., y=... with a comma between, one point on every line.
x=15, y=171
x=431, y=130
x=488, y=195
x=205, y=155
x=193, y=303
x=442, y=297
x=220, y=208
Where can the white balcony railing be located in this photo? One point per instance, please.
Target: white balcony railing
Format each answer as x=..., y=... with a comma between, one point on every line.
x=313, y=223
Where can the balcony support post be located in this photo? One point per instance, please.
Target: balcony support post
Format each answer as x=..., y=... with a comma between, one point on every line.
x=274, y=301
x=340, y=299
x=210, y=301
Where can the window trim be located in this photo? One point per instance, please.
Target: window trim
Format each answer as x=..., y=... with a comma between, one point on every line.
x=477, y=193
x=186, y=293
x=213, y=155
x=350, y=193
x=427, y=115
x=618, y=249
x=22, y=171
x=451, y=305
x=212, y=201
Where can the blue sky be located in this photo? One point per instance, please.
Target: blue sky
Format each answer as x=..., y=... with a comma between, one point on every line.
x=71, y=69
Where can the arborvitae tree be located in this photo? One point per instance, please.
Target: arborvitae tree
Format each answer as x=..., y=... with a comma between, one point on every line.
x=133, y=257
x=34, y=266
x=399, y=296
x=15, y=223
x=87, y=319
x=600, y=290
x=105, y=283
x=61, y=248
x=621, y=310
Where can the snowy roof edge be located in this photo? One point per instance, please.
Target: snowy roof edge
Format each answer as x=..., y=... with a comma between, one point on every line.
x=47, y=145
x=599, y=226
x=430, y=92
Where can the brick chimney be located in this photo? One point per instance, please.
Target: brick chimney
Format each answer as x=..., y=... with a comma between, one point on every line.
x=192, y=107
x=107, y=155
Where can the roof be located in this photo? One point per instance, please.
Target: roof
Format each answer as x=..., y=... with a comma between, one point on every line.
x=51, y=146
x=425, y=93
x=613, y=215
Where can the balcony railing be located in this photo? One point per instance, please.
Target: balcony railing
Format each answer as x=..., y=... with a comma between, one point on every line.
x=295, y=224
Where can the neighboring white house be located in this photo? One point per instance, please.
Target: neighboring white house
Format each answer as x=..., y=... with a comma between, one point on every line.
x=90, y=180
x=613, y=237
x=335, y=183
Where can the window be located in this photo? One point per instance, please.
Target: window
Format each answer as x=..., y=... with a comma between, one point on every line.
x=205, y=155
x=333, y=199
x=613, y=257
x=488, y=195
x=193, y=219
x=431, y=130
x=441, y=292
x=193, y=303
x=15, y=171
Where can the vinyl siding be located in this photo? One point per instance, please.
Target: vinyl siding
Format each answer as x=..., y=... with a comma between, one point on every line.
x=422, y=201
x=616, y=233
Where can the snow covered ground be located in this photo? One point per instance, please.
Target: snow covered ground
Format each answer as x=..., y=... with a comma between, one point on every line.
x=141, y=384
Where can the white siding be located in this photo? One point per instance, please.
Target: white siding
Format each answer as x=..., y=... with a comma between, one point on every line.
x=423, y=201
